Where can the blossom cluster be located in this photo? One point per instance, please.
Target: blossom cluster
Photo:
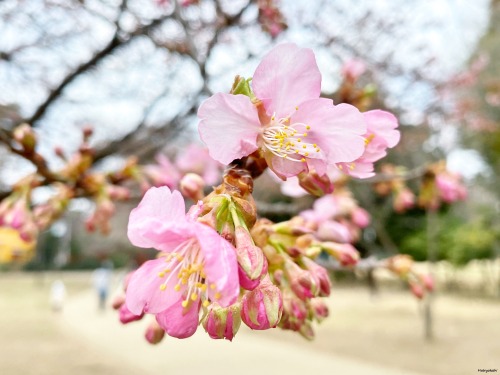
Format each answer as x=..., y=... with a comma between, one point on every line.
x=219, y=264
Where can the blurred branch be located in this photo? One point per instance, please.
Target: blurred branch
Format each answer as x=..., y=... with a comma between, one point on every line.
x=116, y=42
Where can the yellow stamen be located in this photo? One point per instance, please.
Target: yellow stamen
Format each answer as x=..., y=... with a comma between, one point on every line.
x=184, y=303
x=163, y=287
x=194, y=296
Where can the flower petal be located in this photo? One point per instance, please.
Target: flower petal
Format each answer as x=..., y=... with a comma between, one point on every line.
x=158, y=209
x=179, y=322
x=286, y=77
x=229, y=126
x=220, y=266
x=383, y=124
x=337, y=130
x=144, y=293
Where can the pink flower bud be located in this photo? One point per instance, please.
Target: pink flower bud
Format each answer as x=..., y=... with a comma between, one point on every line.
x=345, y=253
x=303, y=283
x=403, y=200
x=417, y=290
x=360, y=217
x=154, y=333
x=315, y=184
x=118, y=301
x=428, y=282
x=251, y=259
x=353, y=69
x=319, y=309
x=118, y=192
x=222, y=322
x=321, y=275
x=334, y=231
x=262, y=308
x=126, y=316
x=307, y=331
x=191, y=186
x=294, y=312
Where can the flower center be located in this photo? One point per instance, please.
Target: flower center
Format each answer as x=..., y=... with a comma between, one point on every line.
x=289, y=140
x=185, y=273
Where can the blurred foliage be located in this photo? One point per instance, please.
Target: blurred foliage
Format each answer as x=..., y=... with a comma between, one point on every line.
x=458, y=241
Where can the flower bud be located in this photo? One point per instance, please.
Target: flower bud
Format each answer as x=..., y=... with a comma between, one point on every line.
x=400, y=264
x=154, y=333
x=126, y=316
x=360, y=217
x=294, y=312
x=191, y=186
x=315, y=184
x=246, y=282
x=345, y=253
x=404, y=199
x=25, y=136
x=118, y=301
x=222, y=322
x=251, y=259
x=321, y=275
x=417, y=290
x=304, y=284
x=427, y=281
x=307, y=331
x=334, y=231
x=262, y=308
x=318, y=309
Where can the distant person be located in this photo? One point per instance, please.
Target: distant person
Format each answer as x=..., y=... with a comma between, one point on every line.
x=57, y=295
x=101, y=278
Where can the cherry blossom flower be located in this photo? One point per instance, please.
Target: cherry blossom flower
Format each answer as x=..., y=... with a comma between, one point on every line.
x=194, y=266
x=353, y=69
x=294, y=128
x=381, y=134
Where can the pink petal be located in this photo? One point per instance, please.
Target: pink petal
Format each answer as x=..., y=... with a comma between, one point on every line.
x=291, y=188
x=383, y=124
x=358, y=169
x=178, y=322
x=284, y=168
x=158, y=208
x=144, y=293
x=337, y=130
x=229, y=126
x=220, y=266
x=326, y=207
x=287, y=76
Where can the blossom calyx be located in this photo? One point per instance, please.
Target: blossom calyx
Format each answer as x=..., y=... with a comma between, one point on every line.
x=262, y=308
x=222, y=322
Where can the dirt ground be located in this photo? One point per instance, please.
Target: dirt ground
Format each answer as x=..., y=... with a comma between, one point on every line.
x=363, y=335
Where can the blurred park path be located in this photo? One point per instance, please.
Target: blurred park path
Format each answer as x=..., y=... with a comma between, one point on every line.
x=249, y=353
x=363, y=335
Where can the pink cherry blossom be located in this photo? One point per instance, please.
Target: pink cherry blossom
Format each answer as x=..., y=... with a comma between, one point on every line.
x=194, y=266
x=353, y=69
x=294, y=127
x=381, y=134
x=450, y=187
